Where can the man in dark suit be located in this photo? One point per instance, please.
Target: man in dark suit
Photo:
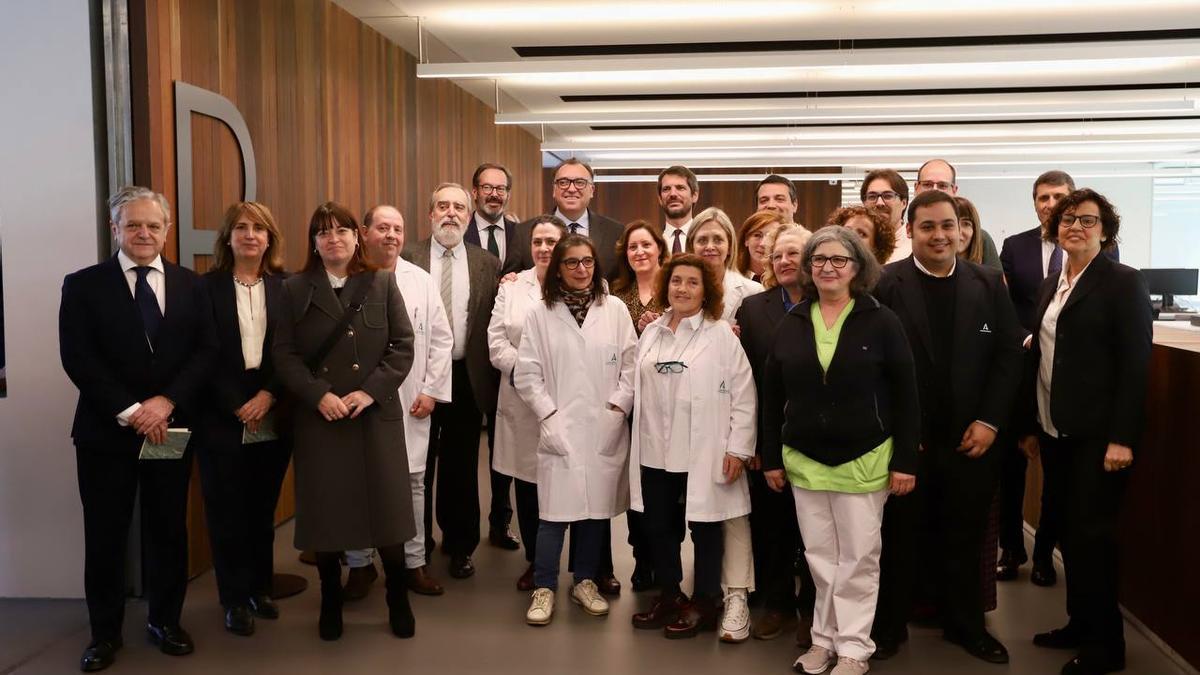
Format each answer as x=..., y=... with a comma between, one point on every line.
x=1027, y=260
x=137, y=339
x=491, y=228
x=967, y=347
x=466, y=276
x=574, y=187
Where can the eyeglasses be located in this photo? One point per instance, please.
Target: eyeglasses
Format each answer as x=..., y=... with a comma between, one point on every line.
x=574, y=263
x=838, y=261
x=934, y=185
x=564, y=183
x=493, y=189
x=1085, y=222
x=888, y=197
x=665, y=367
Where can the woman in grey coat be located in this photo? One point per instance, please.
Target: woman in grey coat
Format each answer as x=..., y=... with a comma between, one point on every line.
x=350, y=460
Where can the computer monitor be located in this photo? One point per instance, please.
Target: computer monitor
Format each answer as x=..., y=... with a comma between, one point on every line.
x=1169, y=282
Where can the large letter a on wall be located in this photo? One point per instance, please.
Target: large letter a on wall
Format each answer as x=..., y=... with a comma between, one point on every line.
x=191, y=99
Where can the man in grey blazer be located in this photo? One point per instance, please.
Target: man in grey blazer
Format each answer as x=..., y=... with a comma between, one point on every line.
x=466, y=278
x=574, y=187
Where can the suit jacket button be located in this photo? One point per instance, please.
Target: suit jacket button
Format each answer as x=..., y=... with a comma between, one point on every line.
x=354, y=367
x=350, y=333
x=325, y=369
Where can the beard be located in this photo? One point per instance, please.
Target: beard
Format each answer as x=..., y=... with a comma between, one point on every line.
x=677, y=210
x=448, y=236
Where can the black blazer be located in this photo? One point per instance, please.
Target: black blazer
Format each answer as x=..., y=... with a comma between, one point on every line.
x=1101, y=355
x=104, y=351
x=603, y=231
x=230, y=385
x=987, y=356
x=758, y=316
x=512, y=259
x=1021, y=258
x=868, y=393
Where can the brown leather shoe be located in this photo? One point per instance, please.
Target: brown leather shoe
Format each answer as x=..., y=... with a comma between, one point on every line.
x=608, y=584
x=419, y=581
x=701, y=614
x=770, y=625
x=663, y=612
x=308, y=557
x=525, y=582
x=359, y=581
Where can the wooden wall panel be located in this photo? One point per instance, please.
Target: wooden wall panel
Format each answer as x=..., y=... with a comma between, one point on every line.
x=334, y=110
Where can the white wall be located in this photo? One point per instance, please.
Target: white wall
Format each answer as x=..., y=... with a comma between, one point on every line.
x=48, y=225
x=1006, y=205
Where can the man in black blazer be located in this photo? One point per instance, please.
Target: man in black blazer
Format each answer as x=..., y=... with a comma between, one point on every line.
x=1028, y=260
x=967, y=347
x=491, y=228
x=466, y=276
x=574, y=187
x=136, y=337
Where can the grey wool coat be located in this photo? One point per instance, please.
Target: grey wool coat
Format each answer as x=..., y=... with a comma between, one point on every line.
x=352, y=484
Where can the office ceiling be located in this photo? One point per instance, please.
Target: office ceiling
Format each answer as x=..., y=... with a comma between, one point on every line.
x=751, y=83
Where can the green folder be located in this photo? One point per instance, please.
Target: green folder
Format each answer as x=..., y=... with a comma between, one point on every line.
x=266, y=431
x=172, y=448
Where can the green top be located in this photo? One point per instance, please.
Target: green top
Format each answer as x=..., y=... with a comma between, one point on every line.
x=867, y=473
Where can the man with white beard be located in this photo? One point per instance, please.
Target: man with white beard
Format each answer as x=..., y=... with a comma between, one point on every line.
x=465, y=276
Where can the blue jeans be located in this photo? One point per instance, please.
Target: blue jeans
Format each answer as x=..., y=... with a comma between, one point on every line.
x=589, y=538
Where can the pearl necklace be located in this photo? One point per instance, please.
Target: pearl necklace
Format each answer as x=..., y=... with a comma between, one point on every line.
x=239, y=282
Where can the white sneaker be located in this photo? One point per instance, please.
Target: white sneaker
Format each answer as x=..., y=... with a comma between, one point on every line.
x=735, y=621
x=586, y=595
x=849, y=666
x=541, y=609
x=815, y=660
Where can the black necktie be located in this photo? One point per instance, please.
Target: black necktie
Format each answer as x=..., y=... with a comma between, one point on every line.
x=677, y=246
x=1055, y=267
x=492, y=246
x=574, y=227
x=147, y=304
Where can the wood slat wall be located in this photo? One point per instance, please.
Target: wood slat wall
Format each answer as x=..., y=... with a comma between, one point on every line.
x=334, y=109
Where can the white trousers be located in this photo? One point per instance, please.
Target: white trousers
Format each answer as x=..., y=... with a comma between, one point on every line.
x=842, y=546
x=414, y=549
x=737, y=562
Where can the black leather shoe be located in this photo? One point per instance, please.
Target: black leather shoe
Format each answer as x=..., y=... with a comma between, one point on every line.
x=461, y=566
x=239, y=620
x=885, y=649
x=1089, y=665
x=1066, y=637
x=504, y=538
x=983, y=647
x=608, y=584
x=264, y=607
x=99, y=655
x=1043, y=574
x=1009, y=565
x=642, y=579
x=172, y=640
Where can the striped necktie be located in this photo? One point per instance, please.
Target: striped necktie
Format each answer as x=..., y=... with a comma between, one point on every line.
x=448, y=280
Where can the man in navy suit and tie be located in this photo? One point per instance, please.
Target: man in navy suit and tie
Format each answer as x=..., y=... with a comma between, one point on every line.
x=136, y=337
x=1027, y=260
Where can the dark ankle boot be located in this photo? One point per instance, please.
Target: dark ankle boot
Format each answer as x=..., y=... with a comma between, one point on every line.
x=400, y=615
x=329, y=625
x=701, y=614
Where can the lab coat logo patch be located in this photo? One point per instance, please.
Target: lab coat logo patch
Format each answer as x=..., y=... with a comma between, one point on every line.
x=612, y=359
x=985, y=329
x=722, y=389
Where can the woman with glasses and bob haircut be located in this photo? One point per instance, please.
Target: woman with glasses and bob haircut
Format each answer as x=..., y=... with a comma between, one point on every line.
x=1086, y=384
x=575, y=372
x=840, y=421
x=694, y=427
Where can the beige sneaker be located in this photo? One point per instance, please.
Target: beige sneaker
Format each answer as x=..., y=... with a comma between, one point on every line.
x=815, y=660
x=735, y=621
x=586, y=595
x=541, y=609
x=848, y=666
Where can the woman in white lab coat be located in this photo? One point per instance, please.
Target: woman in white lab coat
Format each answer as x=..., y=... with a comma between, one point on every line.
x=712, y=238
x=515, y=452
x=575, y=371
x=694, y=427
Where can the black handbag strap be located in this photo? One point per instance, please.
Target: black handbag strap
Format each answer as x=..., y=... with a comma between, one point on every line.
x=361, y=286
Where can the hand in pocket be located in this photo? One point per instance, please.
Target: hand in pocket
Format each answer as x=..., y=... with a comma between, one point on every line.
x=612, y=432
x=551, y=440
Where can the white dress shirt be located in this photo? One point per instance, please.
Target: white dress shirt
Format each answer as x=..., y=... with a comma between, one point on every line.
x=666, y=412
x=582, y=221
x=1046, y=338
x=669, y=235
x=252, y=320
x=481, y=226
x=157, y=278
x=460, y=291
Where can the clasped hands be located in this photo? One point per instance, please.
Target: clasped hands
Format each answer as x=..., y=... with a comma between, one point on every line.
x=253, y=411
x=333, y=408
x=152, y=418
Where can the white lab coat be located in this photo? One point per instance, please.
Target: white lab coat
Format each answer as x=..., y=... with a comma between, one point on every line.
x=737, y=289
x=583, y=448
x=724, y=419
x=515, y=447
x=432, y=344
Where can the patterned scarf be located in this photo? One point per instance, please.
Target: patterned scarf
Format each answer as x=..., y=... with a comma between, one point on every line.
x=577, y=302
